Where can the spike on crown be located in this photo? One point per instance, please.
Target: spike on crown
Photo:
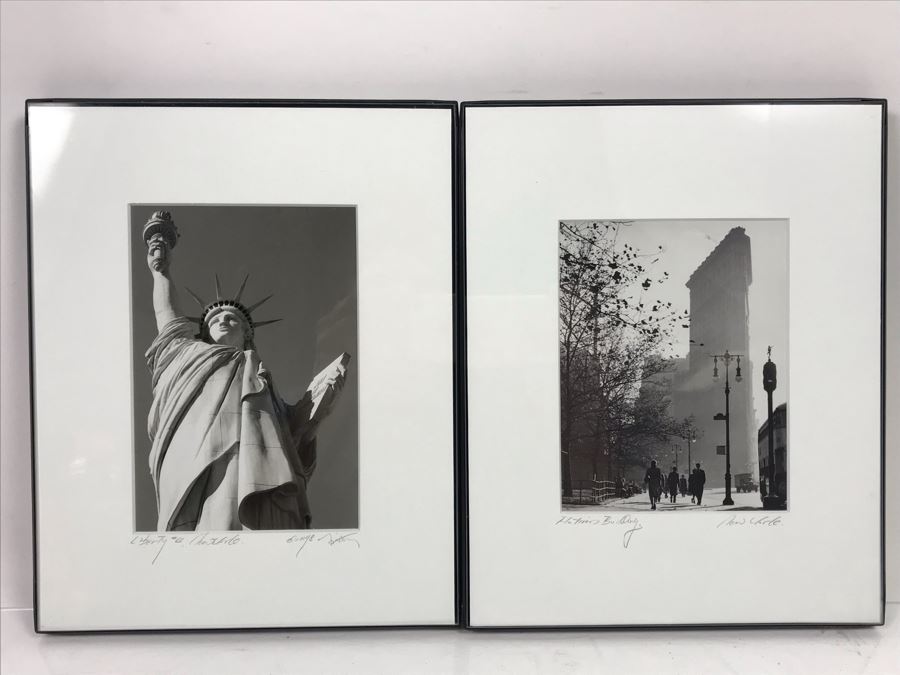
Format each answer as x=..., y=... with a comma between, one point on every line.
x=234, y=305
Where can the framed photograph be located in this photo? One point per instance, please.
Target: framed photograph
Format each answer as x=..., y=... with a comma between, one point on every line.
x=243, y=363
x=652, y=286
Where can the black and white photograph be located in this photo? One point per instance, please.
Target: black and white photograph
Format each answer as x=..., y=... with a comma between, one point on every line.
x=244, y=331
x=673, y=348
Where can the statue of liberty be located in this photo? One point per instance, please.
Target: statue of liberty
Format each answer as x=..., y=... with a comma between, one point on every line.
x=227, y=453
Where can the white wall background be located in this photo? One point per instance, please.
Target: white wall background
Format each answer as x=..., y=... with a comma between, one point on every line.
x=415, y=50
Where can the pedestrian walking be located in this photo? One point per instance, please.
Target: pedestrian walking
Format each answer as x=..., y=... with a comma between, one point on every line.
x=692, y=486
x=682, y=485
x=699, y=482
x=673, y=484
x=654, y=480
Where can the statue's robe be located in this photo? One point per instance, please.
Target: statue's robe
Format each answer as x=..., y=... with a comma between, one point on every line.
x=227, y=453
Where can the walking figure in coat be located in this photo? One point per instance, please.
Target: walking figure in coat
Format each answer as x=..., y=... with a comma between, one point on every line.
x=699, y=477
x=672, y=484
x=654, y=481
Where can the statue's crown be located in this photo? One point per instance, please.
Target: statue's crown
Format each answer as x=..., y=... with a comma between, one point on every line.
x=234, y=304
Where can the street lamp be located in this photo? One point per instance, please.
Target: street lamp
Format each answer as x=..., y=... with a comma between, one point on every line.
x=689, y=435
x=676, y=447
x=726, y=359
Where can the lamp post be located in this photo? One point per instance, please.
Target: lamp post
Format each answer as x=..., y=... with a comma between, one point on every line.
x=770, y=381
x=690, y=437
x=727, y=359
x=676, y=447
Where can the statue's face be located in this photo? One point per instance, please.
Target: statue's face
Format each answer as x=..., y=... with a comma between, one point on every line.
x=226, y=328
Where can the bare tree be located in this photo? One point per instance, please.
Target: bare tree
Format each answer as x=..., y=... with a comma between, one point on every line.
x=610, y=335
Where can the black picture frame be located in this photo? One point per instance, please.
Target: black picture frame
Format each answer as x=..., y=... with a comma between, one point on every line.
x=458, y=376
x=467, y=106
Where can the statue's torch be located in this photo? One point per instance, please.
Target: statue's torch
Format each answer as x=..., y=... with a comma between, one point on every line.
x=160, y=236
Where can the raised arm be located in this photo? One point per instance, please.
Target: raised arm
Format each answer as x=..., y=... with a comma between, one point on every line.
x=165, y=297
x=160, y=235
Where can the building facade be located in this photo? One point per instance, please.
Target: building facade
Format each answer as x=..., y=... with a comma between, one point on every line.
x=720, y=313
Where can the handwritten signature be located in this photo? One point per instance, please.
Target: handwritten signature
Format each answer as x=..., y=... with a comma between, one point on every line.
x=628, y=521
x=161, y=541
x=754, y=521
x=328, y=539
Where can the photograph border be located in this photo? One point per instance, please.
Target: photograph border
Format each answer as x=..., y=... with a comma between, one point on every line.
x=462, y=219
x=457, y=374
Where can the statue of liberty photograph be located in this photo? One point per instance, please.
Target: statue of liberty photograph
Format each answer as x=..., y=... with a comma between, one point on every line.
x=228, y=450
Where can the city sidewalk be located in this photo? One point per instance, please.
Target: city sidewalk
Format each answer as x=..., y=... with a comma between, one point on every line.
x=712, y=501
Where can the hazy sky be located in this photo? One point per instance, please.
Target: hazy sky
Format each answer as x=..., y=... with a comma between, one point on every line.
x=306, y=257
x=686, y=243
